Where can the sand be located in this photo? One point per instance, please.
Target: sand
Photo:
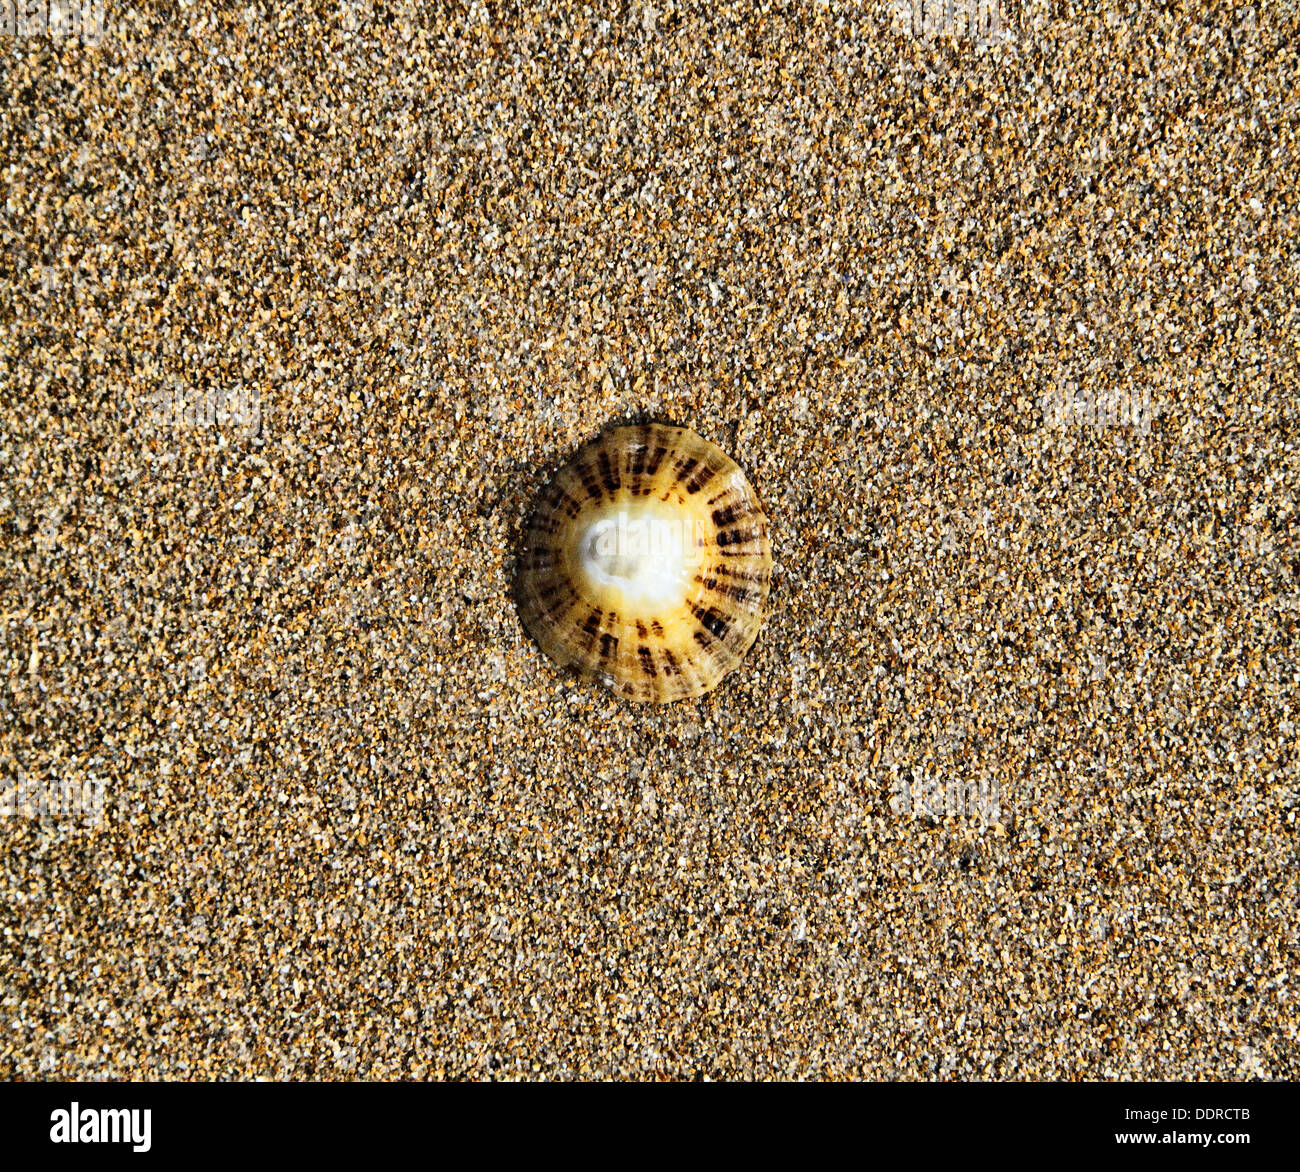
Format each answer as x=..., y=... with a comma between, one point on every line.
x=299, y=312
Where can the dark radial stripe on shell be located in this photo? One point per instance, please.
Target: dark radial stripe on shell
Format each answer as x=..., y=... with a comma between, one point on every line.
x=608, y=472
x=700, y=479
x=728, y=589
x=656, y=461
x=590, y=481
x=725, y=518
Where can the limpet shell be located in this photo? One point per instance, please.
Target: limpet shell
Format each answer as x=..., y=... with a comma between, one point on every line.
x=646, y=563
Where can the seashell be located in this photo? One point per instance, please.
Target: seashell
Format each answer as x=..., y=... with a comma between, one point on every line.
x=646, y=563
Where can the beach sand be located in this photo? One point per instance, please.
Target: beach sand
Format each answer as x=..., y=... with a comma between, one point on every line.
x=301, y=310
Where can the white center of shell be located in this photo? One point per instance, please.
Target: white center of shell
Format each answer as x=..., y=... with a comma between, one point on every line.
x=646, y=557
